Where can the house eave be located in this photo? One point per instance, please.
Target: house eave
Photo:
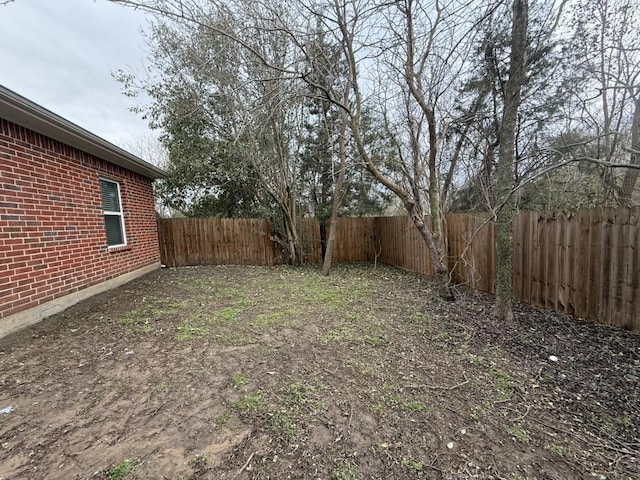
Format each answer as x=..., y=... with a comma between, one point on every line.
x=21, y=111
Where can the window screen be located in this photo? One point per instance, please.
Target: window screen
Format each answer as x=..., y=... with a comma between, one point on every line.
x=112, y=210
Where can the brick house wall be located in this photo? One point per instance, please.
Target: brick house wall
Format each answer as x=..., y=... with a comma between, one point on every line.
x=52, y=234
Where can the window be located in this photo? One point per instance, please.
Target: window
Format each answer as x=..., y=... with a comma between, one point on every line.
x=112, y=210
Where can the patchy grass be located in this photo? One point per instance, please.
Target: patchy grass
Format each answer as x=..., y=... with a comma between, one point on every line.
x=519, y=434
x=345, y=471
x=240, y=380
x=121, y=470
x=188, y=331
x=251, y=403
x=279, y=372
x=407, y=404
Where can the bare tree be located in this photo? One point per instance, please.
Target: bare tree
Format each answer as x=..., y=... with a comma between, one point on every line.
x=505, y=174
x=606, y=41
x=419, y=58
x=421, y=45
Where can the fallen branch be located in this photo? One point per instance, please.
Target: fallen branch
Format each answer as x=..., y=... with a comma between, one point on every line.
x=246, y=464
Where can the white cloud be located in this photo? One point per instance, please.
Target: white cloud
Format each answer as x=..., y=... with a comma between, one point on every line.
x=60, y=54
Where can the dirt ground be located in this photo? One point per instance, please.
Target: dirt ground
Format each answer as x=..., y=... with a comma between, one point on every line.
x=277, y=373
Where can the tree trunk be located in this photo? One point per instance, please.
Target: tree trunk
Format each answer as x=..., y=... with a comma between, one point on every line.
x=333, y=225
x=337, y=197
x=505, y=174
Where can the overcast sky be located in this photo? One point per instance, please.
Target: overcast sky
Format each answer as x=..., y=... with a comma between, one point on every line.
x=61, y=53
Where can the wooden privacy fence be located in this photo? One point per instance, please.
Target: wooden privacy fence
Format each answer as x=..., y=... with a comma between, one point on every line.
x=216, y=241
x=584, y=263
x=241, y=241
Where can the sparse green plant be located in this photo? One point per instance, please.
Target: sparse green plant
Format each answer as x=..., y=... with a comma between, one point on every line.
x=240, y=380
x=419, y=318
x=237, y=294
x=519, y=433
x=298, y=392
x=163, y=387
x=283, y=319
x=120, y=470
x=250, y=403
x=443, y=337
x=333, y=336
x=407, y=404
x=144, y=316
x=503, y=382
x=616, y=425
x=376, y=340
x=344, y=471
x=198, y=462
x=557, y=449
x=285, y=423
x=227, y=315
x=141, y=315
x=413, y=464
x=223, y=419
x=187, y=331
x=477, y=359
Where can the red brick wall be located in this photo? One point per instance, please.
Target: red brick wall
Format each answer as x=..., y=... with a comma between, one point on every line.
x=52, y=235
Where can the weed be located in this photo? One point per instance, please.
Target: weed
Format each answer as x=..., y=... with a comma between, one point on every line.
x=376, y=340
x=163, y=387
x=406, y=404
x=198, y=462
x=412, y=464
x=333, y=336
x=333, y=297
x=519, y=433
x=344, y=471
x=616, y=426
x=557, y=449
x=186, y=332
x=443, y=337
x=227, y=316
x=477, y=359
x=250, y=403
x=120, y=470
x=503, y=383
x=240, y=380
x=220, y=421
x=343, y=333
x=299, y=393
x=237, y=294
x=285, y=424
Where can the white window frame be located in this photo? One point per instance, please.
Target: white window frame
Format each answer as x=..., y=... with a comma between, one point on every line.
x=114, y=213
